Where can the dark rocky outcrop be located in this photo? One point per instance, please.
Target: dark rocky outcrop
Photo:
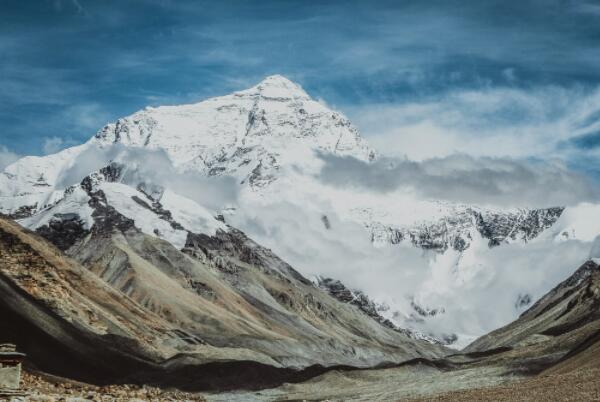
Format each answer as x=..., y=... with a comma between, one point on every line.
x=455, y=231
x=64, y=230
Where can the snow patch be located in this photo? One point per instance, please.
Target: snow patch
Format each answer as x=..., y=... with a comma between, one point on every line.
x=120, y=197
x=191, y=215
x=75, y=201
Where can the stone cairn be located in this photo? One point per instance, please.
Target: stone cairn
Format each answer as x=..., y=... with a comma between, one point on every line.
x=10, y=371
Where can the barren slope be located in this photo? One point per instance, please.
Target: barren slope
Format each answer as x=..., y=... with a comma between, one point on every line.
x=225, y=314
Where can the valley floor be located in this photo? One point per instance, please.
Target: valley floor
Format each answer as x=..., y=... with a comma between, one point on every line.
x=391, y=384
x=402, y=384
x=573, y=380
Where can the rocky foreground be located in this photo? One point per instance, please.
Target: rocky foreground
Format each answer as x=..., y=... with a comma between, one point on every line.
x=577, y=385
x=44, y=388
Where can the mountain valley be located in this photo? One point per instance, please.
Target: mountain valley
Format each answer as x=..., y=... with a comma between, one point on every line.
x=201, y=247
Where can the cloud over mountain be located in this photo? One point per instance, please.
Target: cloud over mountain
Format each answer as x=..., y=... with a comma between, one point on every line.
x=466, y=179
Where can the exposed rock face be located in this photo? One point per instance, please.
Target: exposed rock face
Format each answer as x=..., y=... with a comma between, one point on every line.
x=64, y=229
x=24, y=211
x=339, y=291
x=525, y=225
x=456, y=230
x=359, y=299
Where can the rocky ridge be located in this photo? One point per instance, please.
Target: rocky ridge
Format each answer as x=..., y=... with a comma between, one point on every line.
x=359, y=299
x=456, y=230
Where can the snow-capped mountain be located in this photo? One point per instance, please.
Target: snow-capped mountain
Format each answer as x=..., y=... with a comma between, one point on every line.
x=249, y=134
x=270, y=139
x=254, y=135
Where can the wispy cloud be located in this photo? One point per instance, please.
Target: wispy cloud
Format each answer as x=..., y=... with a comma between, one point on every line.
x=152, y=167
x=546, y=122
x=61, y=5
x=7, y=157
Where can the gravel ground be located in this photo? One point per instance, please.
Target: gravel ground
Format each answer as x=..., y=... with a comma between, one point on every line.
x=42, y=388
x=577, y=386
x=427, y=384
x=376, y=385
x=414, y=384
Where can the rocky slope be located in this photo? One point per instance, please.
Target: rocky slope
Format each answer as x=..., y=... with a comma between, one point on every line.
x=565, y=316
x=133, y=308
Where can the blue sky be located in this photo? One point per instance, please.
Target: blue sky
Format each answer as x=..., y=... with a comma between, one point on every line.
x=426, y=78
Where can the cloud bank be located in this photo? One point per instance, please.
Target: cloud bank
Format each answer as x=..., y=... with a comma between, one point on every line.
x=468, y=287
x=154, y=168
x=460, y=178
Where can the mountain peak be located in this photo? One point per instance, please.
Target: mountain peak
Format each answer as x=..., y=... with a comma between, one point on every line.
x=277, y=87
x=247, y=133
x=277, y=80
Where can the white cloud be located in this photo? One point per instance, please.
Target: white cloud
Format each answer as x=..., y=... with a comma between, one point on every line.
x=497, y=122
x=52, y=145
x=461, y=284
x=86, y=117
x=59, y=5
x=152, y=167
x=460, y=178
x=510, y=75
x=7, y=157
x=479, y=289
